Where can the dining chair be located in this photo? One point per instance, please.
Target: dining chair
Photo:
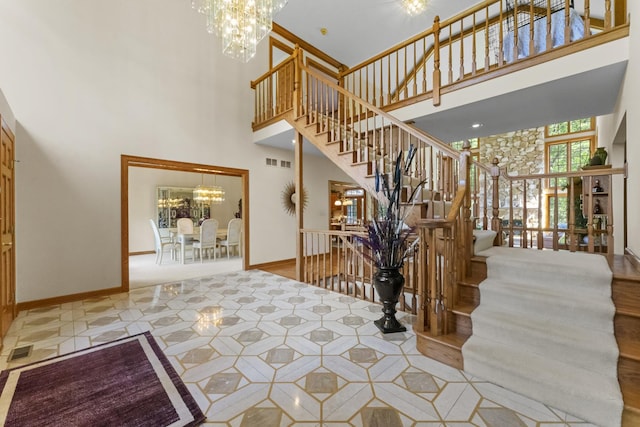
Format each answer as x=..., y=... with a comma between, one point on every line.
x=161, y=242
x=208, y=241
x=185, y=235
x=234, y=230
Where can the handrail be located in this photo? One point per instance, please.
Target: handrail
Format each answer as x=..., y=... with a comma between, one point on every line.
x=399, y=74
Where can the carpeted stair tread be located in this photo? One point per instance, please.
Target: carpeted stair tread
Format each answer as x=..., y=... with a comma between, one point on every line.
x=545, y=328
x=585, y=347
x=545, y=380
x=588, y=272
x=534, y=301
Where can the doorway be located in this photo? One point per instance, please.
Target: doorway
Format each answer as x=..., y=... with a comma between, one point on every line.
x=200, y=170
x=347, y=205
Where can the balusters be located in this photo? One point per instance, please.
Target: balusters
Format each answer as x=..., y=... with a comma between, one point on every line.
x=587, y=18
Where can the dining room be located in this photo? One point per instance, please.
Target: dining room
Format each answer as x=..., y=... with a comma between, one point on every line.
x=171, y=215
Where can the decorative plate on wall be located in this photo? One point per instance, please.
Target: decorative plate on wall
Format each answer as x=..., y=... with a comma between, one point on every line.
x=289, y=198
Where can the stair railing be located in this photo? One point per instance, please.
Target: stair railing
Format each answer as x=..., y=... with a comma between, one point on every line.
x=465, y=47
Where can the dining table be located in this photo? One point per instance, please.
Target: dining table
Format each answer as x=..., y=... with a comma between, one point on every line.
x=183, y=238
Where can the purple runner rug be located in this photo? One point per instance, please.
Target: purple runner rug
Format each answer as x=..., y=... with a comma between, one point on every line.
x=127, y=382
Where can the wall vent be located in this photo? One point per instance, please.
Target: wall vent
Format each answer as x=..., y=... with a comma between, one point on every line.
x=20, y=353
x=272, y=162
x=285, y=164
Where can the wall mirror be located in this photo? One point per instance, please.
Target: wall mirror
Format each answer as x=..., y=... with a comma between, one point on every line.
x=178, y=202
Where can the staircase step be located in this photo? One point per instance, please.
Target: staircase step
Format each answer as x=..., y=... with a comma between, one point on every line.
x=531, y=334
x=556, y=307
x=443, y=348
x=537, y=377
x=468, y=294
x=552, y=270
x=629, y=377
x=626, y=295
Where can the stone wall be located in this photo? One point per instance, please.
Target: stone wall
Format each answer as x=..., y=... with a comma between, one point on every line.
x=519, y=153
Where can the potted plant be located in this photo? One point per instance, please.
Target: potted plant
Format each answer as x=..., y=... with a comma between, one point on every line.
x=388, y=239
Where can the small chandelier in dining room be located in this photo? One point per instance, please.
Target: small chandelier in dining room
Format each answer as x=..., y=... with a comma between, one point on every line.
x=414, y=7
x=208, y=194
x=239, y=24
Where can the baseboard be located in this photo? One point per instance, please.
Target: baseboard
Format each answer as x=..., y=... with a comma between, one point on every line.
x=271, y=264
x=30, y=305
x=141, y=253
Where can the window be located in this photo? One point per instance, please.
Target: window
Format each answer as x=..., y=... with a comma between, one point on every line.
x=475, y=144
x=568, y=156
x=573, y=126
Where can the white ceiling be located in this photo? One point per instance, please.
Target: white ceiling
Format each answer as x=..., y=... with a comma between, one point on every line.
x=359, y=29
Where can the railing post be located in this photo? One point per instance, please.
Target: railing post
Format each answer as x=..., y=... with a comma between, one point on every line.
x=436, y=61
x=496, y=223
x=297, y=82
x=467, y=226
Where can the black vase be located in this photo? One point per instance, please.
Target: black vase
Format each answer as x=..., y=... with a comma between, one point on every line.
x=388, y=283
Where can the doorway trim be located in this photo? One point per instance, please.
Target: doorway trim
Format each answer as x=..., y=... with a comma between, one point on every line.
x=127, y=161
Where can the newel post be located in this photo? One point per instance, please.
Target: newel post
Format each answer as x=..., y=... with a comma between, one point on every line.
x=436, y=61
x=467, y=225
x=297, y=81
x=496, y=223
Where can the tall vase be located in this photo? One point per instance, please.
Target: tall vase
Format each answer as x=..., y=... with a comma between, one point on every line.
x=388, y=283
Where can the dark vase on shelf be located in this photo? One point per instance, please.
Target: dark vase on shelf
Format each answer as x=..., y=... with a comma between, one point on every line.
x=388, y=283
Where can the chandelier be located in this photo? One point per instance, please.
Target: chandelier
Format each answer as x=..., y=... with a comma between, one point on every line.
x=208, y=194
x=239, y=24
x=414, y=7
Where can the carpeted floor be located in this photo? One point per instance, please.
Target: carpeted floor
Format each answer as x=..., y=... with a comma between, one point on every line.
x=544, y=328
x=128, y=382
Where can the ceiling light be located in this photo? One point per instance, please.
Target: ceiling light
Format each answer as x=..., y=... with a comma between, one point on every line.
x=476, y=125
x=239, y=24
x=414, y=7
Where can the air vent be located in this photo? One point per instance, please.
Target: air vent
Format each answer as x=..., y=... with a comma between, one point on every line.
x=20, y=353
x=272, y=162
x=285, y=164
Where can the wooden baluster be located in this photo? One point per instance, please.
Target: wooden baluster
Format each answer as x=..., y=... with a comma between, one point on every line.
x=523, y=233
x=415, y=68
x=496, y=223
x=532, y=48
x=406, y=85
x=510, y=214
x=450, y=28
x=500, y=39
x=373, y=79
x=609, y=219
x=607, y=15
x=473, y=47
x=467, y=226
x=397, y=84
x=424, y=68
x=516, y=40
x=587, y=18
x=388, y=76
x=540, y=242
x=567, y=22
x=549, y=41
x=461, y=76
x=436, y=61
x=486, y=39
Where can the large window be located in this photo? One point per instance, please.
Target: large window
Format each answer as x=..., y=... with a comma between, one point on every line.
x=568, y=148
x=573, y=126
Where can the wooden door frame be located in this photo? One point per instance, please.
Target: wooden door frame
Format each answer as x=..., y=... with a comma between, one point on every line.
x=127, y=161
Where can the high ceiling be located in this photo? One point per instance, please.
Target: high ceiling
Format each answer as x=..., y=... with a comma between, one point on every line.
x=360, y=29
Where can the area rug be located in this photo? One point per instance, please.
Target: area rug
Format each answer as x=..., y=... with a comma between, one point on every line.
x=544, y=329
x=127, y=382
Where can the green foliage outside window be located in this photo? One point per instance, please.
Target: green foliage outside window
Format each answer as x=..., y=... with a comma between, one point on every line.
x=563, y=128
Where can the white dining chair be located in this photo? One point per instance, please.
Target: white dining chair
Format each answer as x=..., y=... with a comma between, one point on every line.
x=185, y=235
x=161, y=243
x=207, y=242
x=234, y=230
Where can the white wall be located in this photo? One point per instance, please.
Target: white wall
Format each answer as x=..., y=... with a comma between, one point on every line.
x=627, y=116
x=89, y=81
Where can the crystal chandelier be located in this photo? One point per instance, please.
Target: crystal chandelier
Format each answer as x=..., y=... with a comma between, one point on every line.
x=239, y=24
x=208, y=194
x=414, y=7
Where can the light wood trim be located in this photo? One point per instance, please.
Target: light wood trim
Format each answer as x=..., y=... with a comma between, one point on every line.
x=307, y=46
x=312, y=63
x=127, y=161
x=30, y=305
x=278, y=44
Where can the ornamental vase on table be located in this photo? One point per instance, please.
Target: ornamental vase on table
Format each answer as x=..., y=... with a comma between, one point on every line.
x=599, y=157
x=388, y=283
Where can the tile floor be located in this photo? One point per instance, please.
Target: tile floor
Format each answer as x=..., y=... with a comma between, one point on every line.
x=256, y=349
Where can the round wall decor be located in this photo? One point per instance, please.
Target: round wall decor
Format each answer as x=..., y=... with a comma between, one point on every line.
x=290, y=198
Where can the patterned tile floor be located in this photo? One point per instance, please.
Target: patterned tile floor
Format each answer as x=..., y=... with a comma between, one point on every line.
x=256, y=349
